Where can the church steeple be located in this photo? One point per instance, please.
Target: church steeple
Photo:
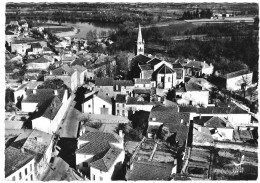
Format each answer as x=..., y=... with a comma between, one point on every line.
x=140, y=42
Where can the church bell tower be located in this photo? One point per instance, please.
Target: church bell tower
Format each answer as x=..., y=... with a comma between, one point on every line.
x=140, y=42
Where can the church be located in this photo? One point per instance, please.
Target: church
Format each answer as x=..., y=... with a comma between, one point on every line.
x=162, y=74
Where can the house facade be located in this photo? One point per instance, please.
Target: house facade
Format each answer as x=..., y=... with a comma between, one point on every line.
x=97, y=104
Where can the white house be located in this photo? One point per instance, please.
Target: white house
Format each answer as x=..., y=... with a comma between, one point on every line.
x=40, y=63
x=142, y=83
x=195, y=92
x=100, y=155
x=37, y=143
x=97, y=104
x=198, y=68
x=121, y=109
x=19, y=166
x=235, y=80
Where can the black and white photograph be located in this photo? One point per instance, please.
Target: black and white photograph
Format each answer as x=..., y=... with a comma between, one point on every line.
x=130, y=91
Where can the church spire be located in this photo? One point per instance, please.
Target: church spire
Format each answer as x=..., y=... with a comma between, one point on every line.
x=140, y=39
x=140, y=42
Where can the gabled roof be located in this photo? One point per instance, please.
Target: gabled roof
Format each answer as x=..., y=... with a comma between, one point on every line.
x=212, y=122
x=134, y=101
x=15, y=159
x=237, y=110
x=123, y=82
x=142, y=81
x=30, y=85
x=36, y=45
x=236, y=73
x=192, y=87
x=197, y=64
x=141, y=59
x=177, y=66
x=154, y=61
x=214, y=110
x=64, y=69
x=120, y=98
x=94, y=147
x=104, y=82
x=99, y=136
x=141, y=91
x=38, y=60
x=105, y=163
x=104, y=97
x=145, y=67
x=46, y=49
x=164, y=69
x=149, y=171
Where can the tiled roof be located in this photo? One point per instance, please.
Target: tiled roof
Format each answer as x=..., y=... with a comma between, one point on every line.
x=15, y=159
x=201, y=120
x=197, y=64
x=238, y=110
x=177, y=66
x=14, y=124
x=36, y=45
x=123, y=82
x=188, y=109
x=165, y=114
x=79, y=68
x=104, y=164
x=216, y=122
x=99, y=136
x=38, y=60
x=94, y=147
x=104, y=97
x=9, y=33
x=141, y=59
x=164, y=69
x=149, y=171
x=202, y=137
x=104, y=82
x=134, y=100
x=236, y=73
x=214, y=110
x=46, y=49
x=120, y=98
x=145, y=67
x=64, y=69
x=154, y=61
x=192, y=87
x=142, y=81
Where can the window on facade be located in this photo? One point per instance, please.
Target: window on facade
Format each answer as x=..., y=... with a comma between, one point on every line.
x=144, y=85
x=123, y=112
x=117, y=105
x=123, y=105
x=31, y=177
x=104, y=106
x=89, y=106
x=25, y=171
x=117, y=112
x=30, y=167
x=20, y=175
x=101, y=178
x=26, y=180
x=169, y=79
x=93, y=177
x=13, y=179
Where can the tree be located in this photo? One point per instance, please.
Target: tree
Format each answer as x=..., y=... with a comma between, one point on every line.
x=51, y=84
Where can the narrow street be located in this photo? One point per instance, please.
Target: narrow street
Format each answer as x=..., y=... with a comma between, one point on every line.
x=65, y=161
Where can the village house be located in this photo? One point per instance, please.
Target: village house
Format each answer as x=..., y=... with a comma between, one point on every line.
x=196, y=68
x=21, y=45
x=173, y=121
x=100, y=155
x=70, y=76
x=68, y=58
x=36, y=49
x=123, y=87
x=234, y=114
x=142, y=83
x=47, y=108
x=99, y=103
x=40, y=63
x=194, y=92
x=148, y=170
x=19, y=166
x=37, y=143
x=120, y=105
x=220, y=128
x=138, y=103
x=236, y=80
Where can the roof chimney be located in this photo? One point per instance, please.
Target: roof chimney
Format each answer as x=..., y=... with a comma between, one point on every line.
x=55, y=92
x=34, y=91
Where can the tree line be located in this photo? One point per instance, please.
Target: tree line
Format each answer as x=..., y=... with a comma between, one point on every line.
x=188, y=15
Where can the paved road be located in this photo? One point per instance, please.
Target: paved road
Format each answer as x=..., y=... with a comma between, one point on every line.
x=71, y=123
